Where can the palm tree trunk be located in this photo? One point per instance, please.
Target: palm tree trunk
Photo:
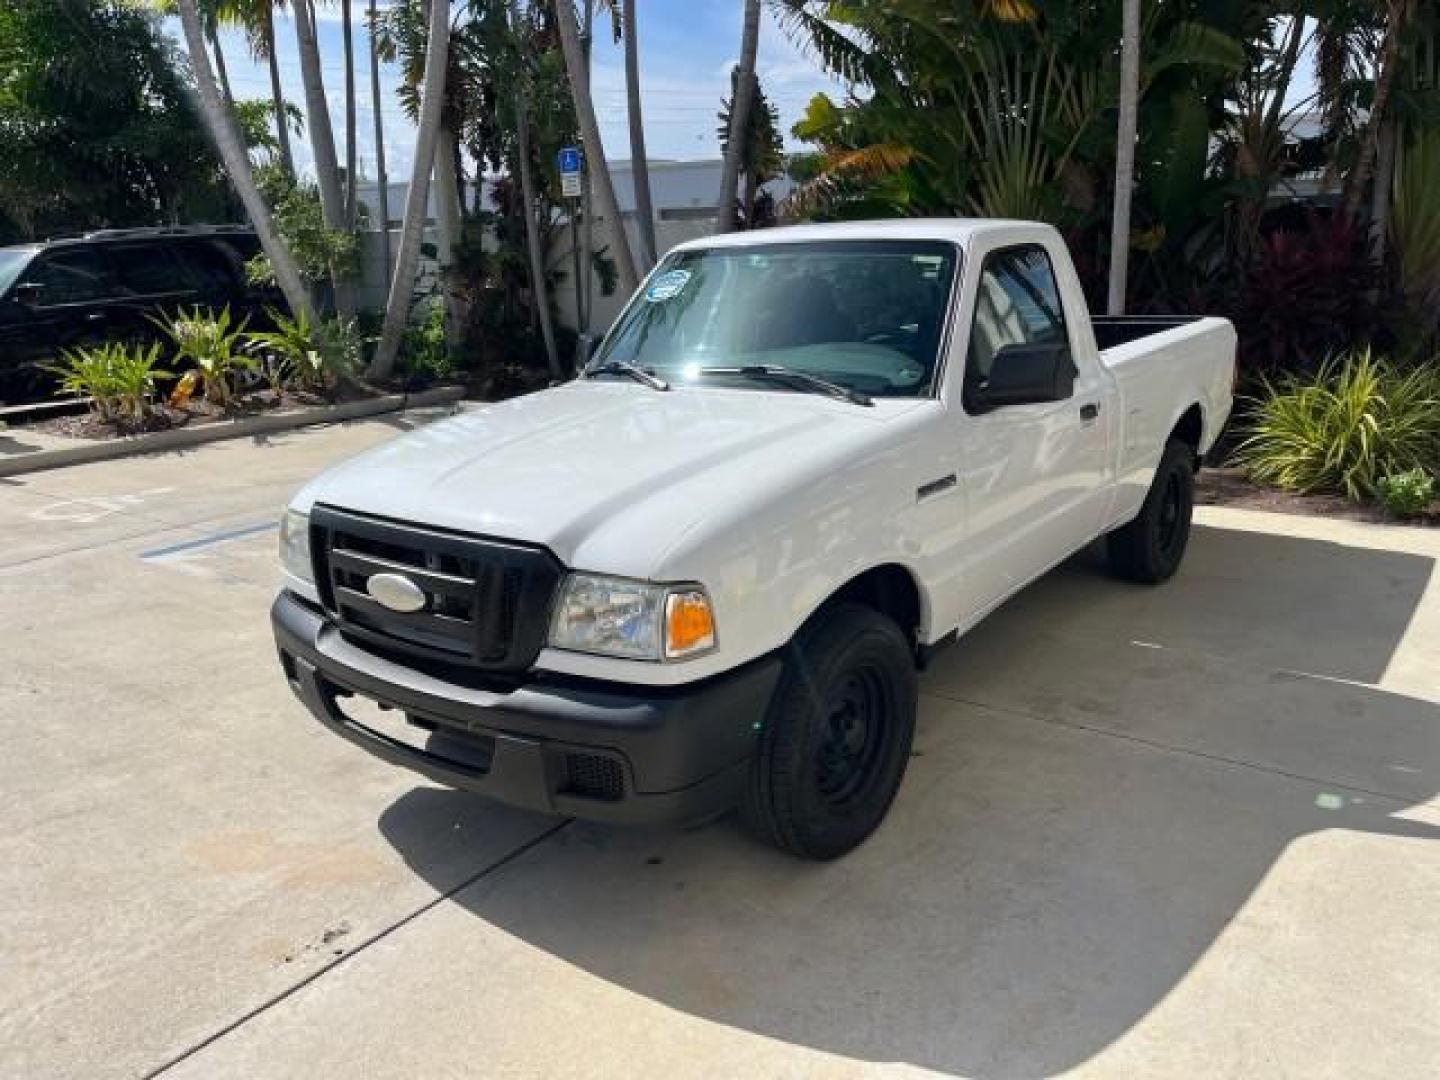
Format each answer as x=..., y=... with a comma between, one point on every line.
x=538, y=291
x=739, y=117
x=1384, y=85
x=594, y=151
x=402, y=283
x=747, y=203
x=381, y=178
x=587, y=191
x=347, y=30
x=221, y=124
x=1124, y=157
x=322, y=141
x=221, y=70
x=277, y=94
x=1384, y=182
x=447, y=223
x=639, y=165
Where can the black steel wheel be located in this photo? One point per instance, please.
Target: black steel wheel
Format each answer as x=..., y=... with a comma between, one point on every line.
x=1150, y=548
x=837, y=736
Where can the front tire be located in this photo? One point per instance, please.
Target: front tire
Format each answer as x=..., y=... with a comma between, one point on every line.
x=1150, y=548
x=837, y=735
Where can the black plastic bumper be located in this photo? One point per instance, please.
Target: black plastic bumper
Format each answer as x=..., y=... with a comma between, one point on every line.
x=633, y=754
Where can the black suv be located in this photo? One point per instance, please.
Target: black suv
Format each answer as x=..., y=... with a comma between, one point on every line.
x=106, y=286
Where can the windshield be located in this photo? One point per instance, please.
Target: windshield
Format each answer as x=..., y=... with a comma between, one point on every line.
x=12, y=263
x=866, y=314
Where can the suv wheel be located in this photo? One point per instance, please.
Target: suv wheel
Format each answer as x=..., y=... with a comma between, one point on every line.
x=837, y=735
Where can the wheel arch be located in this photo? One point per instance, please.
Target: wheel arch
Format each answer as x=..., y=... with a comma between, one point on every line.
x=1189, y=428
x=890, y=588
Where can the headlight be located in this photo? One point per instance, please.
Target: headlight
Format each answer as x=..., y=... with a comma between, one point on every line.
x=633, y=619
x=295, y=545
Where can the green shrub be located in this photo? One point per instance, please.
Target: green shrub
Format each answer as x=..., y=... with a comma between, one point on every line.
x=1341, y=430
x=211, y=342
x=308, y=356
x=424, y=349
x=1407, y=494
x=120, y=380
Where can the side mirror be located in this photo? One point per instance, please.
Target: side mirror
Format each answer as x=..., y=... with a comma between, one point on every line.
x=27, y=294
x=1024, y=375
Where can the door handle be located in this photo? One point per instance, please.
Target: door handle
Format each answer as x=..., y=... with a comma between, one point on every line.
x=95, y=316
x=1089, y=411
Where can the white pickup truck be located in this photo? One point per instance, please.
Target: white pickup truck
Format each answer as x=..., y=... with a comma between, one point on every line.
x=705, y=573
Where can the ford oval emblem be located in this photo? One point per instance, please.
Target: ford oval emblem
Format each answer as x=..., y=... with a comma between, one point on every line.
x=396, y=592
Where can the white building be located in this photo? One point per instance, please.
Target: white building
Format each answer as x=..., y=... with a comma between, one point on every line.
x=682, y=194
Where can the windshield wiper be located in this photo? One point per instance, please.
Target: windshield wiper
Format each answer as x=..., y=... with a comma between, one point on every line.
x=629, y=370
x=794, y=377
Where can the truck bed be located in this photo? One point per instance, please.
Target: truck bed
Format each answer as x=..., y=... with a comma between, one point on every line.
x=1112, y=330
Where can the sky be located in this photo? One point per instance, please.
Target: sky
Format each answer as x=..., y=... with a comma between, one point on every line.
x=687, y=48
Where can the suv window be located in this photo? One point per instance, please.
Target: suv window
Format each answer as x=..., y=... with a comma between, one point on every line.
x=211, y=268
x=147, y=269
x=68, y=277
x=1017, y=303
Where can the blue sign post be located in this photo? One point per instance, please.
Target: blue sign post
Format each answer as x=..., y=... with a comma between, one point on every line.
x=571, y=162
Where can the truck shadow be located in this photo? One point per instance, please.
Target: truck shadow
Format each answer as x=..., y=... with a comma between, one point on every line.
x=1080, y=823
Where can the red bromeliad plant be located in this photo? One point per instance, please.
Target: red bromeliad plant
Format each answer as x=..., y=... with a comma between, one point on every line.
x=1307, y=294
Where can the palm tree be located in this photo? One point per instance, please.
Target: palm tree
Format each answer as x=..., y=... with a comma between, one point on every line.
x=322, y=140
x=381, y=178
x=351, y=152
x=402, y=282
x=1124, y=156
x=221, y=123
x=639, y=165
x=739, y=116
x=532, y=229
x=599, y=170
x=1397, y=13
x=266, y=48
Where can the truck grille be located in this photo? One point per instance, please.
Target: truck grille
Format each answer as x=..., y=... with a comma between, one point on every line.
x=487, y=602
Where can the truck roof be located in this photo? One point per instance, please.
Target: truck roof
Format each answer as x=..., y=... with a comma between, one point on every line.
x=955, y=230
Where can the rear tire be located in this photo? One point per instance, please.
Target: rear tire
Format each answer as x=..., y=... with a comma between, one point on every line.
x=837, y=735
x=1150, y=548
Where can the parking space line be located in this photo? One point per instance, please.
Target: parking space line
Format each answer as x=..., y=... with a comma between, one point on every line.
x=265, y=1006
x=222, y=537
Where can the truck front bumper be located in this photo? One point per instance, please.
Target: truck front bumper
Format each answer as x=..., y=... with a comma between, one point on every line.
x=602, y=751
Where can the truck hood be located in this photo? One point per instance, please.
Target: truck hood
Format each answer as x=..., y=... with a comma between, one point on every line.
x=608, y=476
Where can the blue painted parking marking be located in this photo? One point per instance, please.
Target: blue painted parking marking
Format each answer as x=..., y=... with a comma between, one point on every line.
x=210, y=541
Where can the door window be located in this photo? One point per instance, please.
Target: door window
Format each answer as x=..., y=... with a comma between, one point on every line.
x=1017, y=303
x=68, y=277
x=147, y=270
x=211, y=268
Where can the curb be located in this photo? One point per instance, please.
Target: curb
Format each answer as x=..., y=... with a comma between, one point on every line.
x=182, y=438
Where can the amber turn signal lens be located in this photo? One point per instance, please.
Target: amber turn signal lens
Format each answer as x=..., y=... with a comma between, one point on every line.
x=689, y=624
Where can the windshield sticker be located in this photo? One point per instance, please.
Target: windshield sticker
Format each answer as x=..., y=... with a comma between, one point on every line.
x=667, y=286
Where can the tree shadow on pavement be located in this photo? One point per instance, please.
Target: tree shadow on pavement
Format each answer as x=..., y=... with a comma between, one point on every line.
x=1096, y=793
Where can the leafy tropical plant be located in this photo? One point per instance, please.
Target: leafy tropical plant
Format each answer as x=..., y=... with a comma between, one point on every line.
x=1354, y=422
x=314, y=357
x=1307, y=293
x=321, y=253
x=1415, y=231
x=424, y=350
x=1408, y=493
x=120, y=380
x=213, y=343
x=99, y=122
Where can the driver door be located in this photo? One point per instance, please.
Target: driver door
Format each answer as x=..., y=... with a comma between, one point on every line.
x=1030, y=473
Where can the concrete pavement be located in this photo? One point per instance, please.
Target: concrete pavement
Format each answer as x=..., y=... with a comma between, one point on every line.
x=1175, y=832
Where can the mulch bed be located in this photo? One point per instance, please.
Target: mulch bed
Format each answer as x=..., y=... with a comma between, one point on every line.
x=166, y=417
x=1228, y=487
